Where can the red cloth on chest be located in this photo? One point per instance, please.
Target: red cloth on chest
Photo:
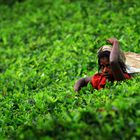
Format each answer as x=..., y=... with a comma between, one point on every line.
x=99, y=81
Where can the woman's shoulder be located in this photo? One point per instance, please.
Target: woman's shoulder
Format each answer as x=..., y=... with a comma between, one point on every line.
x=98, y=81
x=97, y=76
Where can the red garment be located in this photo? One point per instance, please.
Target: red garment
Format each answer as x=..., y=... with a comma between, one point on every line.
x=99, y=81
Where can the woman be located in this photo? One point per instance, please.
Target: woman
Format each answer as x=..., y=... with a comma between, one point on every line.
x=111, y=61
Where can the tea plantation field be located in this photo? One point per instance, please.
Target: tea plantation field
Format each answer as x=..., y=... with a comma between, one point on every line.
x=45, y=46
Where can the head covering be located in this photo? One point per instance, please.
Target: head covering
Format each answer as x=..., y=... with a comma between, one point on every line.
x=109, y=49
x=104, y=48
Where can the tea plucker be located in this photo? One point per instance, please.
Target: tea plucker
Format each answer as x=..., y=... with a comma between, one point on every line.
x=113, y=65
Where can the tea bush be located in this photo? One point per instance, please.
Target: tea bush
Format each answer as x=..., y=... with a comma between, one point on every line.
x=45, y=46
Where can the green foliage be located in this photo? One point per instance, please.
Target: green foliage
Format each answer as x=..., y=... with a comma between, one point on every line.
x=10, y=2
x=45, y=46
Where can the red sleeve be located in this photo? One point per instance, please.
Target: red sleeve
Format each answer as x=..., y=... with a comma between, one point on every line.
x=127, y=76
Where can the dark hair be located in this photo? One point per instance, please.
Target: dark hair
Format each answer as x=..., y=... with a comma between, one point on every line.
x=107, y=55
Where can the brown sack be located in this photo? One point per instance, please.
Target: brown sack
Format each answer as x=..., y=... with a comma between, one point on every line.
x=132, y=59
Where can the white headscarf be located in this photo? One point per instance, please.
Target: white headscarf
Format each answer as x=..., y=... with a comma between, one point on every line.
x=109, y=49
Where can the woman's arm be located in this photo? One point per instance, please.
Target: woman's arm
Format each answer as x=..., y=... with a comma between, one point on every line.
x=81, y=83
x=114, y=60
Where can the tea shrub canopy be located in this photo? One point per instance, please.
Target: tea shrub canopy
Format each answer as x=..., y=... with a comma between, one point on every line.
x=45, y=46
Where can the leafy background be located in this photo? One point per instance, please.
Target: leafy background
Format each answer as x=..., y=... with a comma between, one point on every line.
x=45, y=46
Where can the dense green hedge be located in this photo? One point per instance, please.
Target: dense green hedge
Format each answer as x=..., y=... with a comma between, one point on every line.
x=45, y=46
x=10, y=2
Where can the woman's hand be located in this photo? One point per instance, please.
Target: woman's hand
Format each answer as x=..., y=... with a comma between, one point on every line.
x=81, y=83
x=76, y=87
x=112, y=40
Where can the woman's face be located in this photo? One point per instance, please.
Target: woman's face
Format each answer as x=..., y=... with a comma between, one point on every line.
x=105, y=67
